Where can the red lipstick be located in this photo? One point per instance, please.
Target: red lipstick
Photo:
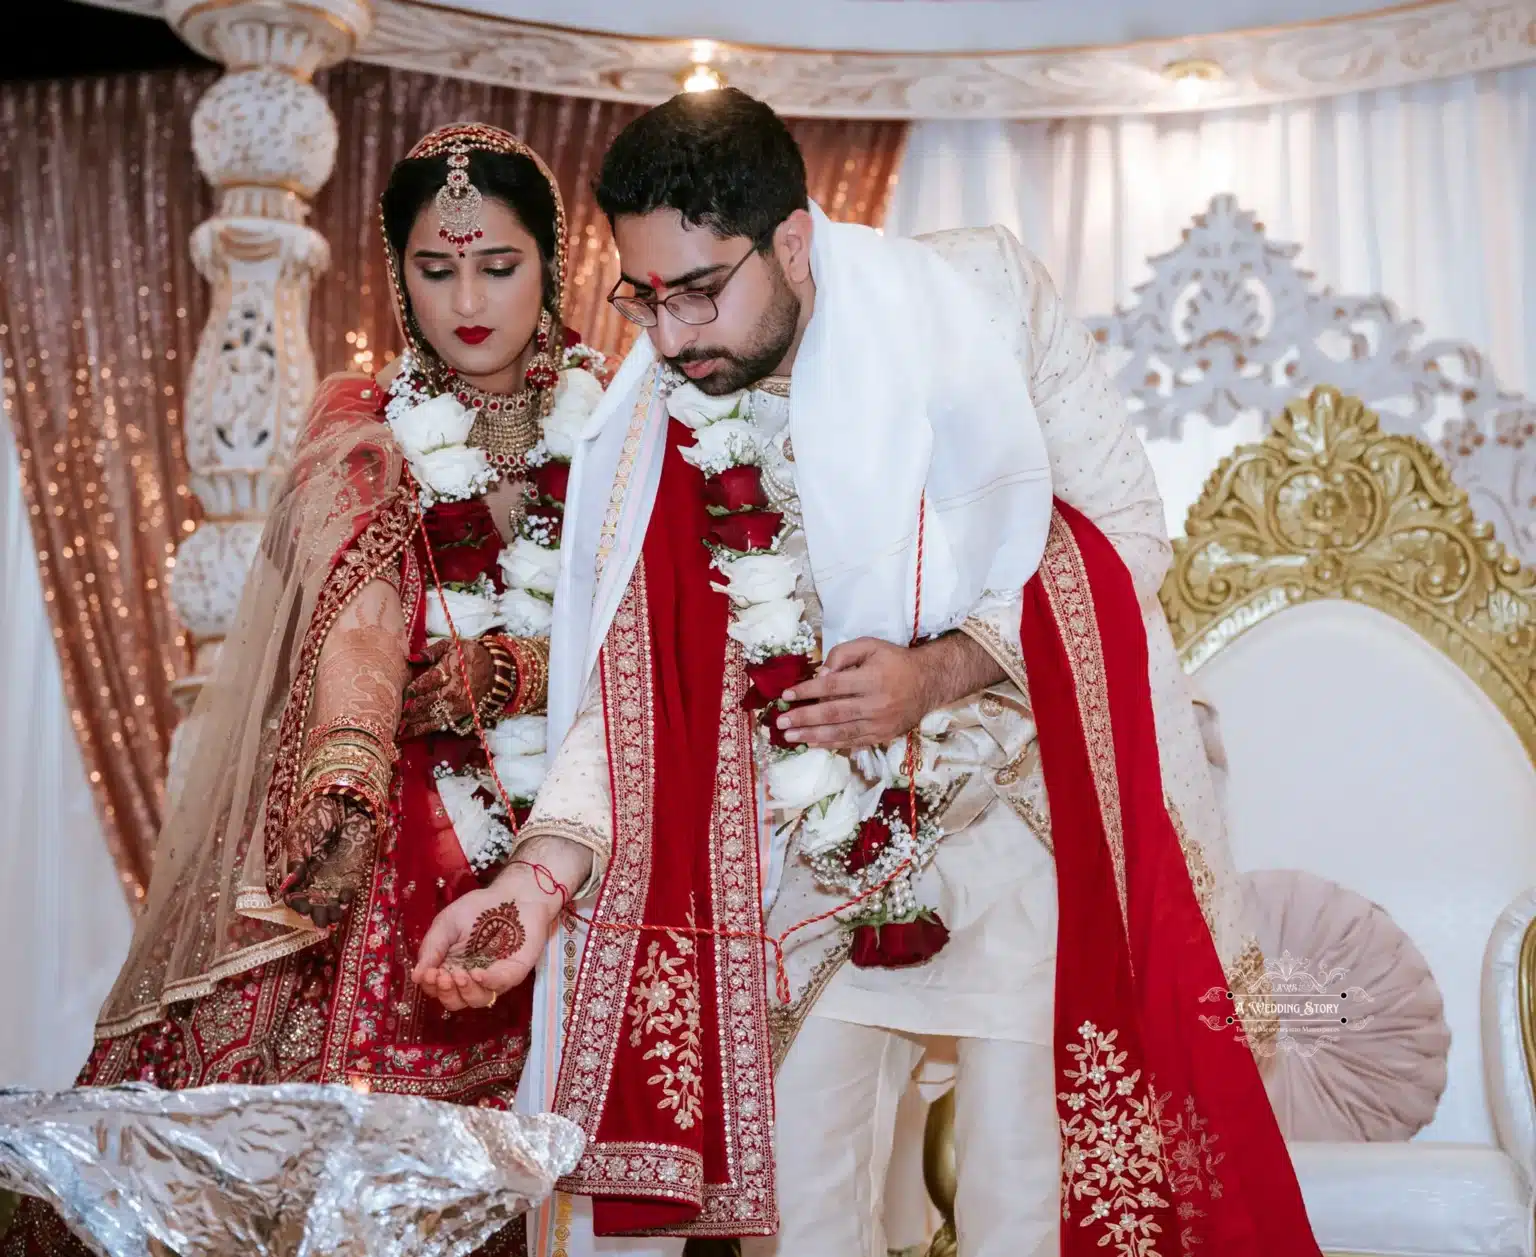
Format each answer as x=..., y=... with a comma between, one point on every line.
x=472, y=335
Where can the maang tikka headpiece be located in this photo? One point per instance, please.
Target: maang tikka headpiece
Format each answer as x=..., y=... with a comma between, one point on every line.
x=458, y=201
x=459, y=206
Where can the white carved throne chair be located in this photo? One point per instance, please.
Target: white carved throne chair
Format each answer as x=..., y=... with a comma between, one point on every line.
x=1371, y=651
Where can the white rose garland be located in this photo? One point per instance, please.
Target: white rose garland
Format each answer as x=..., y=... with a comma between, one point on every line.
x=433, y=433
x=813, y=792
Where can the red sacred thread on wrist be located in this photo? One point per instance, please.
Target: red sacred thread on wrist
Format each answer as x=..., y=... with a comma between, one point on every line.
x=548, y=882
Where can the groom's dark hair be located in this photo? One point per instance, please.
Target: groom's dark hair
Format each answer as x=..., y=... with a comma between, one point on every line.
x=720, y=159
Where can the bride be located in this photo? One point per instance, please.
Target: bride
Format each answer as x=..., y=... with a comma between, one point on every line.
x=372, y=732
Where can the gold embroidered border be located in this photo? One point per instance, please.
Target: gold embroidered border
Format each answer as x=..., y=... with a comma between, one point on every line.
x=609, y=532
x=1007, y=653
x=596, y=1021
x=1066, y=586
x=376, y=546
x=349, y=966
x=1038, y=821
x=1201, y=879
x=785, y=1020
x=579, y=832
x=746, y=1202
x=1248, y=978
x=643, y=1169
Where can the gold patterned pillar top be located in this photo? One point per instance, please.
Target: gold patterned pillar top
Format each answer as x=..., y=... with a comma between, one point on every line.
x=265, y=138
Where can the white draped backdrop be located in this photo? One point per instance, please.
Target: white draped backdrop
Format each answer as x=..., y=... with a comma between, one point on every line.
x=1426, y=195
x=64, y=923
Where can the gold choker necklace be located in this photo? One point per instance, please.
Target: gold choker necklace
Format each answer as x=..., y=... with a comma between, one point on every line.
x=506, y=425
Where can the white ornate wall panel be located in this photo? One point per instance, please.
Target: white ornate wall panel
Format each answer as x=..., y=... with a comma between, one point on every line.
x=1231, y=329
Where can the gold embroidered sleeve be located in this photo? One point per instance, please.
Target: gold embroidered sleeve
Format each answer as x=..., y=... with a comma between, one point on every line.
x=576, y=801
x=994, y=625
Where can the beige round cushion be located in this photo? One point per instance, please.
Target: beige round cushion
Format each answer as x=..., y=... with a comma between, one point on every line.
x=1379, y=1077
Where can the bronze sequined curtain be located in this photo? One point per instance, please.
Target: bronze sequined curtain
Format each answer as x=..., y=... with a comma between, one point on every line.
x=100, y=311
x=851, y=167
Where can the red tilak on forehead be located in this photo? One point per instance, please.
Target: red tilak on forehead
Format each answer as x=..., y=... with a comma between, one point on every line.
x=655, y=280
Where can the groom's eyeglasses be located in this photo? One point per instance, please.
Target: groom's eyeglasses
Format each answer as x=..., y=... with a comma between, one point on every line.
x=690, y=307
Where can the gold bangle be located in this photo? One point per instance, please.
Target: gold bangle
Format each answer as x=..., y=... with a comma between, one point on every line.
x=362, y=734
x=350, y=755
x=503, y=683
x=364, y=757
x=344, y=786
x=533, y=674
x=351, y=724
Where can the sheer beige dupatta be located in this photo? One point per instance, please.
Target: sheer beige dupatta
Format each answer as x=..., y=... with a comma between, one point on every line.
x=341, y=520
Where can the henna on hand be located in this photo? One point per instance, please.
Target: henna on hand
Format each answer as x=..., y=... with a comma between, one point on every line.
x=436, y=699
x=307, y=838
x=497, y=934
x=333, y=881
x=326, y=850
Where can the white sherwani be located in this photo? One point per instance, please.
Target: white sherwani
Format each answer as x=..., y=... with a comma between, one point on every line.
x=993, y=879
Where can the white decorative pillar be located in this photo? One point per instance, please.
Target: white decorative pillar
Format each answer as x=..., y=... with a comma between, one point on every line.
x=266, y=139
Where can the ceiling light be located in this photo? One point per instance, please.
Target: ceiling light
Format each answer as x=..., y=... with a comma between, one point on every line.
x=702, y=78
x=1194, y=78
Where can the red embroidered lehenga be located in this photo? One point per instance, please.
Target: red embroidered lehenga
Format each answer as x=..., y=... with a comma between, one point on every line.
x=226, y=984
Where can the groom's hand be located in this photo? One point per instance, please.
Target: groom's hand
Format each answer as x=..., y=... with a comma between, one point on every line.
x=869, y=692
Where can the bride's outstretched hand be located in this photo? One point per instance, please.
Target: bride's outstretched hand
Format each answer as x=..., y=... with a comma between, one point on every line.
x=487, y=942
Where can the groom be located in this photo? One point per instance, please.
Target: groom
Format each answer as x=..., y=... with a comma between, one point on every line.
x=870, y=730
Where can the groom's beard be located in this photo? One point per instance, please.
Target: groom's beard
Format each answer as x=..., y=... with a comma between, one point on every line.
x=742, y=368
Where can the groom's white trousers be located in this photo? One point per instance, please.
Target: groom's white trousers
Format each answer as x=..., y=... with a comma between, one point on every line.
x=836, y=1096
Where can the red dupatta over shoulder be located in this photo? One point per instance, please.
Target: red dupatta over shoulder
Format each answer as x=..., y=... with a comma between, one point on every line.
x=1169, y=1144
x=667, y=1064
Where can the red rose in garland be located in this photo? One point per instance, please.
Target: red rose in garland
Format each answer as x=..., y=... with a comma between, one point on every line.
x=747, y=531
x=892, y=944
x=463, y=538
x=874, y=833
x=900, y=945
x=736, y=489
x=773, y=676
x=551, y=481
x=895, y=804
